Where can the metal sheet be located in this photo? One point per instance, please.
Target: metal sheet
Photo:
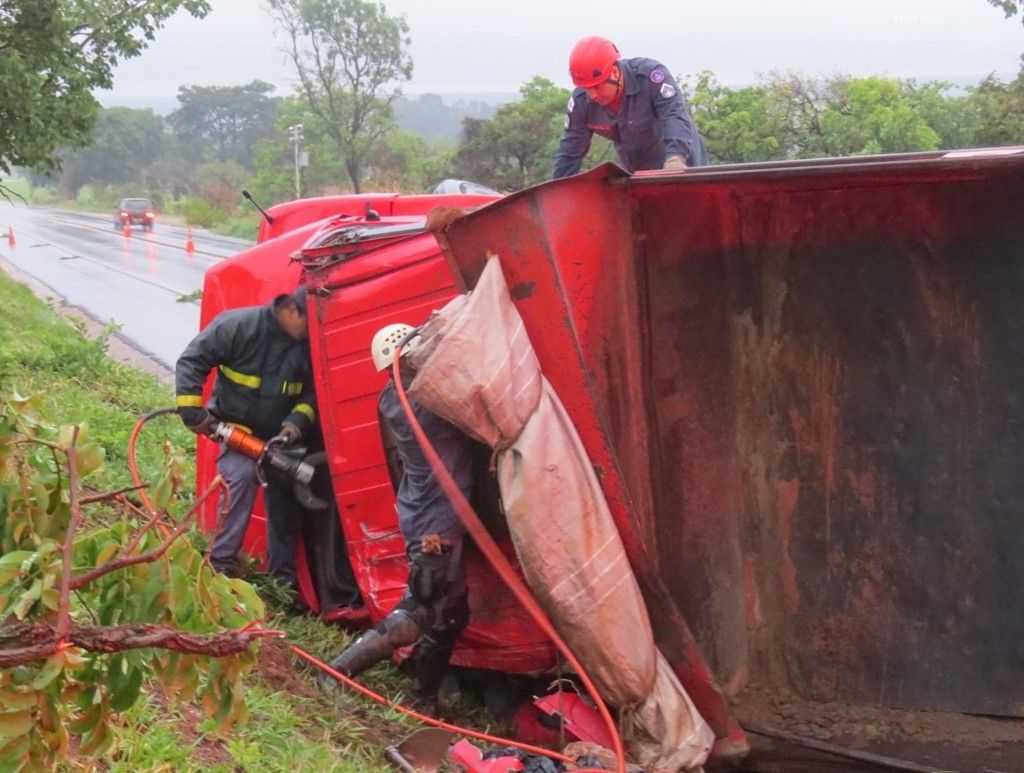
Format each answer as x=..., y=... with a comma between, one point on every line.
x=803, y=386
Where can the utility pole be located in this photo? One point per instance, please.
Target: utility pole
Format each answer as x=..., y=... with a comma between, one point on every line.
x=295, y=135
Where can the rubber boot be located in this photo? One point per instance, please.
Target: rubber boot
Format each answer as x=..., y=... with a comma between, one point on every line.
x=366, y=651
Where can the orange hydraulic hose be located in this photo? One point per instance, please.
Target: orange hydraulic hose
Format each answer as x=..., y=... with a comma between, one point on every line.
x=501, y=564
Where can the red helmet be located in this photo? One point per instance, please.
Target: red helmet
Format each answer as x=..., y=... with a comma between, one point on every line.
x=591, y=61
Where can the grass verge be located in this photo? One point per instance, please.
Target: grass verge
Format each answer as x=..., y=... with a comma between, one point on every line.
x=293, y=725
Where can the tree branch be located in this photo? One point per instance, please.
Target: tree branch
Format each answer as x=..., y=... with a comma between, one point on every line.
x=111, y=494
x=41, y=641
x=63, y=616
x=126, y=559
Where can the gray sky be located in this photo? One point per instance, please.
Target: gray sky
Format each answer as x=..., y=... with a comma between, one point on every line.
x=478, y=46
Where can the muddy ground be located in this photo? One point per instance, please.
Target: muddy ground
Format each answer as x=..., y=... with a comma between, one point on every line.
x=931, y=740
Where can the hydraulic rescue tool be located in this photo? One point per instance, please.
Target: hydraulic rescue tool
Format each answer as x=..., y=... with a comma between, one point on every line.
x=291, y=461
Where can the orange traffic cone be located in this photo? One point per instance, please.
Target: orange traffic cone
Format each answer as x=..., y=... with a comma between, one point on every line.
x=190, y=245
x=10, y=236
x=127, y=230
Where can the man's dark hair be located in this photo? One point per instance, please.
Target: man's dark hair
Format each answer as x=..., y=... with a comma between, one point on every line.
x=297, y=299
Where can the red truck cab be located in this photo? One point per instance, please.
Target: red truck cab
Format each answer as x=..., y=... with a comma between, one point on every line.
x=392, y=271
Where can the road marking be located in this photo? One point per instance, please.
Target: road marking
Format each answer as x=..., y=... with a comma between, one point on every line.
x=143, y=241
x=71, y=254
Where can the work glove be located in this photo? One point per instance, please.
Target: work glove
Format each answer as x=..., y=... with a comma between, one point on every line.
x=289, y=435
x=675, y=162
x=198, y=419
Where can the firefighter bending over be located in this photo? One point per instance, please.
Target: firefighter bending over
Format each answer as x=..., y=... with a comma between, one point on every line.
x=435, y=607
x=264, y=385
x=635, y=103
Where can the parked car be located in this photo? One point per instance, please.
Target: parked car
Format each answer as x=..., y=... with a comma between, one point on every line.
x=131, y=211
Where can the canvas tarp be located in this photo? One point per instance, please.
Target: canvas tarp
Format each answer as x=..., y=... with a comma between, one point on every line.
x=477, y=368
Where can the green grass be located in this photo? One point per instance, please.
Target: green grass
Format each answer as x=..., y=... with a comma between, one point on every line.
x=44, y=355
x=245, y=227
x=16, y=188
x=293, y=726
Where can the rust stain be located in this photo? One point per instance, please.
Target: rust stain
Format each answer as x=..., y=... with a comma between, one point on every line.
x=816, y=433
x=954, y=316
x=788, y=497
x=864, y=488
x=751, y=594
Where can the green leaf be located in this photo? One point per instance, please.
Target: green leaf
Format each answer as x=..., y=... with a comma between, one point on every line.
x=15, y=723
x=14, y=700
x=123, y=697
x=53, y=667
x=15, y=749
x=87, y=720
x=15, y=558
x=90, y=458
x=28, y=598
x=106, y=553
x=160, y=494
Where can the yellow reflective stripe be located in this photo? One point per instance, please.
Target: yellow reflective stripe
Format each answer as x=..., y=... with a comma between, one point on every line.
x=190, y=401
x=253, y=382
x=305, y=410
x=292, y=388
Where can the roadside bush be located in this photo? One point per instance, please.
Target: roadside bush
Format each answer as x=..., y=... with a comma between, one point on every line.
x=43, y=195
x=199, y=212
x=245, y=227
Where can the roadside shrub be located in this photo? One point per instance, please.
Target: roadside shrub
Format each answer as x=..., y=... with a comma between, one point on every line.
x=199, y=212
x=239, y=227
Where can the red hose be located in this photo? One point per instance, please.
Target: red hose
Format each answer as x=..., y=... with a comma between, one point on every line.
x=424, y=718
x=489, y=548
x=502, y=566
x=133, y=467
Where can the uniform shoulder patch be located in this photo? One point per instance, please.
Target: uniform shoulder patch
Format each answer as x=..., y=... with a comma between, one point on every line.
x=571, y=105
x=667, y=91
x=657, y=75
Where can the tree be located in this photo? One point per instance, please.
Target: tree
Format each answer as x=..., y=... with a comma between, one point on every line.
x=1009, y=7
x=740, y=125
x=274, y=180
x=873, y=115
x=515, y=148
x=221, y=183
x=227, y=120
x=404, y=161
x=997, y=113
x=53, y=53
x=351, y=58
x=123, y=142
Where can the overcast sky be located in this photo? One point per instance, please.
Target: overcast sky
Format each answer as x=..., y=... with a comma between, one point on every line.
x=482, y=46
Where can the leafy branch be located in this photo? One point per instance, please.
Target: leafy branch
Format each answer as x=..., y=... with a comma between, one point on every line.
x=66, y=555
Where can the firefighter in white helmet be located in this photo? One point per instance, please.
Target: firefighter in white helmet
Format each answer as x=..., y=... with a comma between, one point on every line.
x=435, y=607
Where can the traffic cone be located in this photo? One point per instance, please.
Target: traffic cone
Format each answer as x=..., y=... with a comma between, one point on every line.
x=10, y=236
x=127, y=230
x=190, y=245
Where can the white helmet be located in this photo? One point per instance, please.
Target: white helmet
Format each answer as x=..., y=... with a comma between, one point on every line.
x=386, y=340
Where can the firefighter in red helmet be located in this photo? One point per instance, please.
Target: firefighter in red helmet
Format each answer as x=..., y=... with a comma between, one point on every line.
x=635, y=103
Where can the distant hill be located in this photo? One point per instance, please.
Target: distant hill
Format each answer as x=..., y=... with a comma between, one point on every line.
x=439, y=116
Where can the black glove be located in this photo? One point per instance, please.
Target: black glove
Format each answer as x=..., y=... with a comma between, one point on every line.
x=289, y=435
x=197, y=419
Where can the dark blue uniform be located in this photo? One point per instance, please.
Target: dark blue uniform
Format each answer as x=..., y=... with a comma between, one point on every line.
x=652, y=122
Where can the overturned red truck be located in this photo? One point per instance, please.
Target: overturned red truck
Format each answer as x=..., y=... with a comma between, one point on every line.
x=801, y=386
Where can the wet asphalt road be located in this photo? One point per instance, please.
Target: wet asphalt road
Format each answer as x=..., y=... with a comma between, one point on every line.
x=135, y=281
